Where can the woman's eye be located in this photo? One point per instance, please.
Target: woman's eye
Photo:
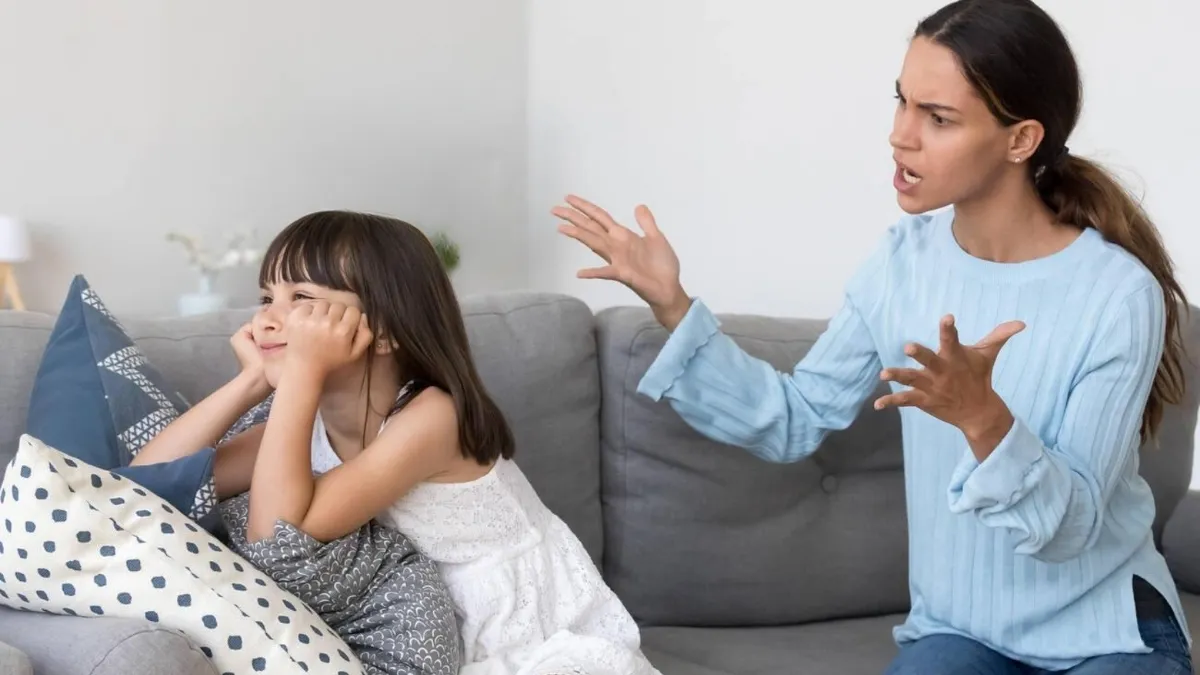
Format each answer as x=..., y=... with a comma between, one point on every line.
x=938, y=119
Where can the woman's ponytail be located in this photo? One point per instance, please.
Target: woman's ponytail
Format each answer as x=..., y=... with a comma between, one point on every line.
x=1084, y=194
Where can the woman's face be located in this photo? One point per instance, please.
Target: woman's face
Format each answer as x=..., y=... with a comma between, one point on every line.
x=947, y=145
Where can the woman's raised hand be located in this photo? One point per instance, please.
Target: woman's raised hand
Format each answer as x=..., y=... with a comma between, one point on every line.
x=645, y=263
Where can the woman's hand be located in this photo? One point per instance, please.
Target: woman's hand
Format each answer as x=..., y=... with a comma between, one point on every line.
x=645, y=263
x=323, y=337
x=250, y=359
x=955, y=385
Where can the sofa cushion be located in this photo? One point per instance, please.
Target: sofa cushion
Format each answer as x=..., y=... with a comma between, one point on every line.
x=536, y=354
x=101, y=646
x=1181, y=544
x=13, y=661
x=97, y=398
x=702, y=534
x=1166, y=462
x=848, y=647
x=81, y=541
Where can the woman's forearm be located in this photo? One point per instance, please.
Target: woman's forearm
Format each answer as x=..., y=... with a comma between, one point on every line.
x=205, y=423
x=282, y=484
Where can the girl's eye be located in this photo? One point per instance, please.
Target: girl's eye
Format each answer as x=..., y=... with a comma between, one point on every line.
x=301, y=296
x=264, y=300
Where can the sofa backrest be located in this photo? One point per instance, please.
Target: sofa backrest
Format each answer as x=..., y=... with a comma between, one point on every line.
x=699, y=533
x=535, y=352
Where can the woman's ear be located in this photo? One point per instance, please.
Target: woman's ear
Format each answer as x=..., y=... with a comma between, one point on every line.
x=1024, y=140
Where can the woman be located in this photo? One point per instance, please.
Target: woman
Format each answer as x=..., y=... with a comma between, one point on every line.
x=1026, y=316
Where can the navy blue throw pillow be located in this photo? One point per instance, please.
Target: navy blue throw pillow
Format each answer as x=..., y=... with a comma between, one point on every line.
x=98, y=399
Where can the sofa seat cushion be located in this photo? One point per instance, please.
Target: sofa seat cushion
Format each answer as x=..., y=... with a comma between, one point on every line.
x=848, y=647
x=100, y=645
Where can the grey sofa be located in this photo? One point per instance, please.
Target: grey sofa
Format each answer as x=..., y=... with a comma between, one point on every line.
x=732, y=565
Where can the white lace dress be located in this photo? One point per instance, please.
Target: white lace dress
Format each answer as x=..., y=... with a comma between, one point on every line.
x=530, y=600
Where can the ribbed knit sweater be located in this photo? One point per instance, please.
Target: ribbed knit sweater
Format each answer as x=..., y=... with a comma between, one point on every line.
x=1031, y=552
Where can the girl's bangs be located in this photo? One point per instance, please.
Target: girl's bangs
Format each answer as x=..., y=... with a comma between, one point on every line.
x=309, y=254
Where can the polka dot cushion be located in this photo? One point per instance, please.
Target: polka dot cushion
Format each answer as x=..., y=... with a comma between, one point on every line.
x=86, y=542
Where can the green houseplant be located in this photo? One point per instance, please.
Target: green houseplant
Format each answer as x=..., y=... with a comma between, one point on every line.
x=447, y=251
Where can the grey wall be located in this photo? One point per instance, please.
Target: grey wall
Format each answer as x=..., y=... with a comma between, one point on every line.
x=125, y=119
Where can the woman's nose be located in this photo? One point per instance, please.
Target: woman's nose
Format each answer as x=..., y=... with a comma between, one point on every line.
x=904, y=133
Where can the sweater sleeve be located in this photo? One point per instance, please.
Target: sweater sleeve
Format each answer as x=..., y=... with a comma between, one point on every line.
x=734, y=398
x=1054, y=496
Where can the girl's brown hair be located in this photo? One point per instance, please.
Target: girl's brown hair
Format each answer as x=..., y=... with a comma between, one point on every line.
x=1017, y=58
x=407, y=298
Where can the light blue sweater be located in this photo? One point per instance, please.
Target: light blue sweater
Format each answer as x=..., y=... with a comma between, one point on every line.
x=1032, y=551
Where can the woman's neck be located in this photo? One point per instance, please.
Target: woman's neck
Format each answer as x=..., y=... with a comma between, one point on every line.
x=1010, y=224
x=346, y=405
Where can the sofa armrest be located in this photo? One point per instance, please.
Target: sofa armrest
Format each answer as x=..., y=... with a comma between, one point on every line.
x=1181, y=543
x=13, y=661
x=68, y=645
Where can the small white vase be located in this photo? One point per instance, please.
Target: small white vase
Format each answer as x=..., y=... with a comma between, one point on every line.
x=204, y=301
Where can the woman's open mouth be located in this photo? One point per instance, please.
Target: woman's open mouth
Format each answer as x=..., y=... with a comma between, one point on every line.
x=905, y=179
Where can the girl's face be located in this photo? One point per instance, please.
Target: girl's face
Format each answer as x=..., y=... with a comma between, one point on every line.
x=270, y=322
x=947, y=145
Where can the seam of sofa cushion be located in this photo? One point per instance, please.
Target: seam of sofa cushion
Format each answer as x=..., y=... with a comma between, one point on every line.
x=532, y=305
x=149, y=631
x=623, y=455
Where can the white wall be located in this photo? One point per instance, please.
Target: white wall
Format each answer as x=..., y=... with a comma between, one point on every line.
x=125, y=119
x=756, y=130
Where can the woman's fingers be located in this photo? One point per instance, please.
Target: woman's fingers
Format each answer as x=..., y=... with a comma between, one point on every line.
x=925, y=356
x=594, y=212
x=908, y=377
x=607, y=272
x=948, y=335
x=912, y=397
x=645, y=220
x=578, y=219
x=594, y=241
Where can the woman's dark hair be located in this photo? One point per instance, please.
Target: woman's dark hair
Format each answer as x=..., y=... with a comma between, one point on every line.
x=407, y=298
x=1018, y=60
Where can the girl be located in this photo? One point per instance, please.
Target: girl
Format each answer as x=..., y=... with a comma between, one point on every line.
x=361, y=339
x=1030, y=336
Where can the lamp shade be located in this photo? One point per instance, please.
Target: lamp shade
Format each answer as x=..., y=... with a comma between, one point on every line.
x=14, y=241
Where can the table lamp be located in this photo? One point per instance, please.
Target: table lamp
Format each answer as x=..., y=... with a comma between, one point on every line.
x=14, y=248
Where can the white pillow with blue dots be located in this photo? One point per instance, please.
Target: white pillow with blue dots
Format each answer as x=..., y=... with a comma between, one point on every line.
x=84, y=541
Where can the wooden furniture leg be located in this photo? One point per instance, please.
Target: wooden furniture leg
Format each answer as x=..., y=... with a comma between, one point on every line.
x=9, y=288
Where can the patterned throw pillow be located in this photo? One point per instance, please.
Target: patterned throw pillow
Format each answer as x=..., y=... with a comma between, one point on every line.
x=98, y=399
x=83, y=541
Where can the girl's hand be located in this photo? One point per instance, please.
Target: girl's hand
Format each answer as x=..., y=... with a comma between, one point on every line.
x=324, y=336
x=646, y=264
x=955, y=385
x=248, y=356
